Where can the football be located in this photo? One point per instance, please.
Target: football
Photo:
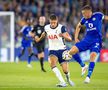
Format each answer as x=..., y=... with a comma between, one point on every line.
x=66, y=56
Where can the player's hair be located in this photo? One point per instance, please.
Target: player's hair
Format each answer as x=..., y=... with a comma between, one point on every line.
x=86, y=7
x=53, y=17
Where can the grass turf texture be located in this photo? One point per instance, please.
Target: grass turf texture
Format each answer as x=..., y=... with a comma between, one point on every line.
x=19, y=77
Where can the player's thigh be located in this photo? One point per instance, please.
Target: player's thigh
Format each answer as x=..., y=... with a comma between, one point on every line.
x=52, y=60
x=95, y=49
x=41, y=55
x=39, y=48
x=82, y=46
x=64, y=66
x=59, y=55
x=29, y=50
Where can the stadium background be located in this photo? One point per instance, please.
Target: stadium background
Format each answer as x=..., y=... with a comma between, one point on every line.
x=68, y=12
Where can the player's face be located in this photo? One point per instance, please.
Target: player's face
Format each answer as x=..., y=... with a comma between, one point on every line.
x=42, y=20
x=86, y=13
x=53, y=23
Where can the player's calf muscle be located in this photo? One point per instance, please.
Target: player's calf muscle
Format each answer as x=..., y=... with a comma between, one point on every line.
x=65, y=67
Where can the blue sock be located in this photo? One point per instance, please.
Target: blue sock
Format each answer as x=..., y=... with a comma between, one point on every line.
x=29, y=59
x=19, y=55
x=91, y=68
x=78, y=59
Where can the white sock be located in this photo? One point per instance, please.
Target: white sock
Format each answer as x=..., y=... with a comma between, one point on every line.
x=58, y=74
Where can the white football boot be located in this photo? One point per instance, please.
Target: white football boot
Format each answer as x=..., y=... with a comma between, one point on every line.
x=61, y=84
x=87, y=80
x=29, y=65
x=84, y=69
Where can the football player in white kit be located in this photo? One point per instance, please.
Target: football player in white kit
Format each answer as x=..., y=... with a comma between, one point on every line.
x=57, y=34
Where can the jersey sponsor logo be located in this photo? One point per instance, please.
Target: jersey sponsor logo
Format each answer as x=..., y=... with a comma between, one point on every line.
x=90, y=25
x=97, y=45
x=39, y=31
x=52, y=37
x=86, y=22
x=94, y=19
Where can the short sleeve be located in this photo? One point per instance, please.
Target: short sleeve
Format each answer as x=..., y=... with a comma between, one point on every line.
x=100, y=15
x=82, y=21
x=34, y=29
x=45, y=28
x=23, y=28
x=63, y=29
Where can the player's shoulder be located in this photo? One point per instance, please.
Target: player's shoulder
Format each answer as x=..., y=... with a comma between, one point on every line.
x=83, y=20
x=24, y=26
x=61, y=25
x=37, y=25
x=47, y=26
x=97, y=13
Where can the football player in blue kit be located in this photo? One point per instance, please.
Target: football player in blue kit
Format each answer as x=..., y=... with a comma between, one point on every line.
x=93, y=38
x=26, y=41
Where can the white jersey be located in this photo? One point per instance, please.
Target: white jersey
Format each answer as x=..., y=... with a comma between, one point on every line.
x=55, y=41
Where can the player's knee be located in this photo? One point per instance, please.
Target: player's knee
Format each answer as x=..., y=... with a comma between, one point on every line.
x=73, y=50
x=31, y=54
x=93, y=56
x=52, y=61
x=52, y=64
x=41, y=55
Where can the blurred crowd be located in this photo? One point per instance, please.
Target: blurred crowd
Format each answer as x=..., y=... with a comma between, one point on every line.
x=68, y=12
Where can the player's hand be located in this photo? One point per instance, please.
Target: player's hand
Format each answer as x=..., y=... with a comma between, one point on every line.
x=43, y=34
x=60, y=35
x=37, y=39
x=77, y=40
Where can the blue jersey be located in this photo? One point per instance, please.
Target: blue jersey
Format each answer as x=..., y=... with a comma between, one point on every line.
x=26, y=38
x=92, y=39
x=25, y=31
x=93, y=26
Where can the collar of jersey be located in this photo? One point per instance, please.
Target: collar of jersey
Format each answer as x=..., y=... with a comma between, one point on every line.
x=55, y=27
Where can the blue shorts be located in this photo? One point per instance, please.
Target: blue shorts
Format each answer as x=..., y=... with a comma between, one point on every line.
x=26, y=44
x=84, y=45
x=58, y=54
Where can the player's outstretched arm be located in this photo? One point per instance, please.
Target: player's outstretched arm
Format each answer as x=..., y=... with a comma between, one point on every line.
x=37, y=39
x=77, y=32
x=66, y=36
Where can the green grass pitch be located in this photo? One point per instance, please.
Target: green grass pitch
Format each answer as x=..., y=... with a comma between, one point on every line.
x=18, y=77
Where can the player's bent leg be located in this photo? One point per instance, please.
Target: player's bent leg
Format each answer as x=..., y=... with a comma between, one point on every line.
x=41, y=59
x=78, y=59
x=53, y=60
x=22, y=52
x=73, y=50
x=66, y=72
x=93, y=56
